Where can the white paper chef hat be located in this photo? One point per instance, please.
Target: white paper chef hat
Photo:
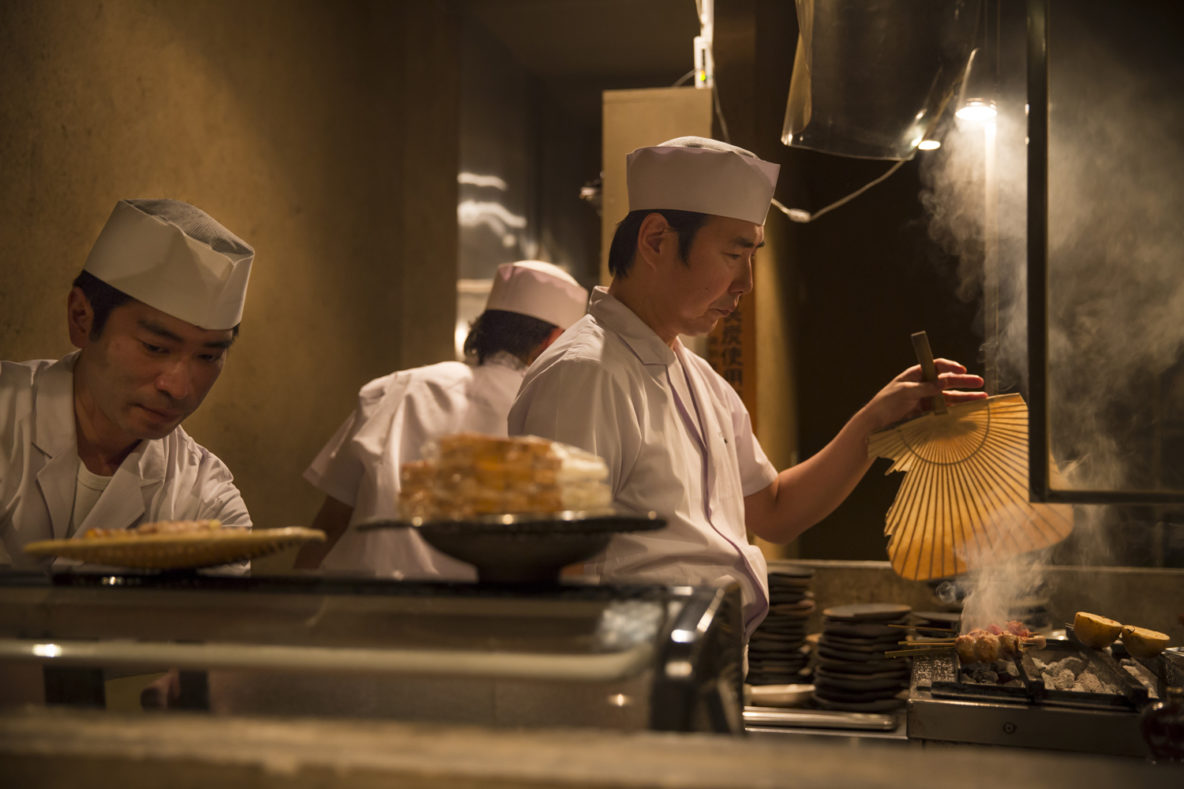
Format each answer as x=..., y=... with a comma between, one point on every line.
x=540, y=290
x=703, y=175
x=176, y=258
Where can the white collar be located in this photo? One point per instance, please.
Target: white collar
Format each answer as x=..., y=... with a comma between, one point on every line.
x=645, y=343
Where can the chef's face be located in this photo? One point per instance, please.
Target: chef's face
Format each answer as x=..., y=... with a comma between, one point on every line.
x=717, y=271
x=146, y=371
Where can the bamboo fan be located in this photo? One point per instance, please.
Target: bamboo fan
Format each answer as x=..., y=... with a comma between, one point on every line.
x=964, y=501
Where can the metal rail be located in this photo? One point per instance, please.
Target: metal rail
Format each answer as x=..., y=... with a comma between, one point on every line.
x=118, y=653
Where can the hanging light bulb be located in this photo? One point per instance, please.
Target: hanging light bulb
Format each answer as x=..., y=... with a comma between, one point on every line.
x=976, y=97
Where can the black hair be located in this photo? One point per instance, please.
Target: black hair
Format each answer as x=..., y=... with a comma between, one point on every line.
x=103, y=299
x=509, y=332
x=624, y=244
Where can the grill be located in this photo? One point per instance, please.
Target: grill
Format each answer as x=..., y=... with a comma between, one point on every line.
x=951, y=702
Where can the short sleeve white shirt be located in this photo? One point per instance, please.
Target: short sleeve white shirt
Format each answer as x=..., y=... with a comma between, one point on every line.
x=677, y=440
x=396, y=416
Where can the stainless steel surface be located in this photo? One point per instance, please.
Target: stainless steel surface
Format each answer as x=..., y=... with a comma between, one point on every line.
x=819, y=719
x=939, y=715
x=621, y=657
x=1083, y=731
x=610, y=667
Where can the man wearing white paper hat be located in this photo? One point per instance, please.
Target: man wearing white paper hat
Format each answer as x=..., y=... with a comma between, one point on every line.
x=530, y=304
x=675, y=436
x=94, y=440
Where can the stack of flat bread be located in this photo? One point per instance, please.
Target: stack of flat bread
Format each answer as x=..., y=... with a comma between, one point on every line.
x=467, y=474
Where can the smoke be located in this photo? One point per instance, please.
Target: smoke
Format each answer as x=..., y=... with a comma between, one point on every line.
x=1115, y=233
x=975, y=195
x=1115, y=268
x=1002, y=591
x=975, y=192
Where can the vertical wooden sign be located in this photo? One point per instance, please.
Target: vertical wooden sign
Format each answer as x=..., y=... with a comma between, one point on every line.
x=731, y=351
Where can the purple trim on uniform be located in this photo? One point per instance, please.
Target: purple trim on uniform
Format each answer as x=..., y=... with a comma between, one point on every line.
x=763, y=608
x=698, y=432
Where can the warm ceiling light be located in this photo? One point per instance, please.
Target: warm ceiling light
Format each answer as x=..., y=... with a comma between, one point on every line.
x=928, y=145
x=977, y=111
x=975, y=97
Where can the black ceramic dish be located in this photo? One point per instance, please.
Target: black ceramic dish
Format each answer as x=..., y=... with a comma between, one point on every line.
x=523, y=548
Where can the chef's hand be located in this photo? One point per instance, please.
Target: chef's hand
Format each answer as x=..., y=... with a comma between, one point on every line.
x=907, y=396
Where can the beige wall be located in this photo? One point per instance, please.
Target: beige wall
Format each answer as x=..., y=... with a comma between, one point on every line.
x=291, y=123
x=633, y=119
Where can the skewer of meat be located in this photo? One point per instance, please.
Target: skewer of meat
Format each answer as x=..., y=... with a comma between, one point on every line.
x=986, y=645
x=983, y=644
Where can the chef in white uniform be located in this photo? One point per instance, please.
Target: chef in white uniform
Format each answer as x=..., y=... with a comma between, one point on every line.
x=94, y=439
x=529, y=305
x=675, y=436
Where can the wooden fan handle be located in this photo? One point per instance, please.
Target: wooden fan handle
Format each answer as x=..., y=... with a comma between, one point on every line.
x=928, y=371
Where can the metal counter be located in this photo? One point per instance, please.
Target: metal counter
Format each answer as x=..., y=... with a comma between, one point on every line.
x=623, y=657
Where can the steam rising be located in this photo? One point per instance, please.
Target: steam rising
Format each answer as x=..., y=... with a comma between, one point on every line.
x=1116, y=272
x=998, y=592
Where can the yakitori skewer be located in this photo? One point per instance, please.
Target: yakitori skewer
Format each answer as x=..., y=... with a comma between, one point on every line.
x=942, y=630
x=981, y=645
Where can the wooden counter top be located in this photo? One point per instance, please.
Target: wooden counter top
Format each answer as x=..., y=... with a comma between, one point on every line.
x=60, y=747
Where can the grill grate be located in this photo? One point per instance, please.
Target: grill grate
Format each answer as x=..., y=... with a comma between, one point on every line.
x=1026, y=685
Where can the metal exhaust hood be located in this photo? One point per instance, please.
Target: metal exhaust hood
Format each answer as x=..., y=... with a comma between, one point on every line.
x=871, y=78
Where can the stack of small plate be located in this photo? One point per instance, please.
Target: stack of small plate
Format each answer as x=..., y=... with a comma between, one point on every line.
x=851, y=671
x=777, y=651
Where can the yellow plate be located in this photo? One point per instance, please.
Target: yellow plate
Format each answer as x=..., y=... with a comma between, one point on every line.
x=177, y=551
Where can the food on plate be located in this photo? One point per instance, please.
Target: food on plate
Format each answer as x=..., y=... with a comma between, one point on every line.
x=990, y=643
x=157, y=527
x=1141, y=642
x=417, y=489
x=467, y=474
x=1094, y=630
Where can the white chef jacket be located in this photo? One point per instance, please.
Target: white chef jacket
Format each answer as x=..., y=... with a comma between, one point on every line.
x=676, y=438
x=170, y=478
x=395, y=417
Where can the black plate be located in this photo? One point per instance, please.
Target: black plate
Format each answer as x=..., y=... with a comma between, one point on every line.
x=523, y=548
x=867, y=612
